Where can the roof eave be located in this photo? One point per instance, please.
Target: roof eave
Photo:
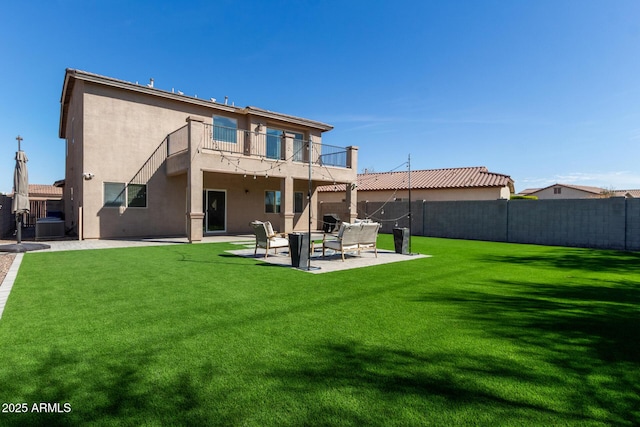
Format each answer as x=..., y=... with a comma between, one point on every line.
x=73, y=74
x=255, y=111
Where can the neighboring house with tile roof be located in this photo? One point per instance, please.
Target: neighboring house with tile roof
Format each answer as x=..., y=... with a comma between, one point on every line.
x=44, y=192
x=44, y=201
x=142, y=161
x=468, y=183
x=630, y=194
x=565, y=191
x=570, y=191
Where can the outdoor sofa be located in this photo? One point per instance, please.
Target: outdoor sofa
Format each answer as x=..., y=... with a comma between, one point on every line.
x=353, y=238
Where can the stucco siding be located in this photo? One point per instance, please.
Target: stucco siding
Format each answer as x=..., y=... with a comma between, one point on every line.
x=492, y=193
x=112, y=128
x=121, y=131
x=565, y=193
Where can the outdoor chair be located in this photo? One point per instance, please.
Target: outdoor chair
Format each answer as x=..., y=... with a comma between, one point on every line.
x=266, y=238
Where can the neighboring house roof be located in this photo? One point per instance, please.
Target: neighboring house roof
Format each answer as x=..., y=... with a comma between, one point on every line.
x=44, y=191
x=585, y=188
x=528, y=191
x=627, y=193
x=72, y=75
x=429, y=179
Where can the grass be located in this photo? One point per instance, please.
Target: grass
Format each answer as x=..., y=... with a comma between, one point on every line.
x=481, y=333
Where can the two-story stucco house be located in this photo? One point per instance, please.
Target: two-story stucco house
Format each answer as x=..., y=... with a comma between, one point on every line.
x=141, y=161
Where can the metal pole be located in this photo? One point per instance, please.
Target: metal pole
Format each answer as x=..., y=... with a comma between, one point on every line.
x=309, y=205
x=309, y=268
x=410, y=219
x=18, y=214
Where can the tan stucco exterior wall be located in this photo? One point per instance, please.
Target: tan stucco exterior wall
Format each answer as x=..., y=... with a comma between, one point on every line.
x=492, y=193
x=121, y=130
x=245, y=198
x=73, y=188
x=110, y=133
x=565, y=193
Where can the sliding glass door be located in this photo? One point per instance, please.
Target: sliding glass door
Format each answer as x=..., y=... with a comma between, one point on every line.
x=215, y=210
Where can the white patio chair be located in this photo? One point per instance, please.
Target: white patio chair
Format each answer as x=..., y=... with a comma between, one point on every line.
x=266, y=238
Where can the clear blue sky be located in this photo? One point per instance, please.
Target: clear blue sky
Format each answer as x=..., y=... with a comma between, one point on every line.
x=544, y=91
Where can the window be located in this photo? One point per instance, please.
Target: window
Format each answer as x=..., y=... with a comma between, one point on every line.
x=557, y=190
x=298, y=202
x=298, y=147
x=272, y=202
x=274, y=150
x=115, y=194
x=137, y=196
x=225, y=129
x=273, y=143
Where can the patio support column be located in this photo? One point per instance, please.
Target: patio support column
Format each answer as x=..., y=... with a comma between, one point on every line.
x=195, y=213
x=352, y=188
x=286, y=189
x=352, y=201
x=286, y=185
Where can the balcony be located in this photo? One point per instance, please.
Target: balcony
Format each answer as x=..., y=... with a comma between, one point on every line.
x=229, y=150
x=273, y=146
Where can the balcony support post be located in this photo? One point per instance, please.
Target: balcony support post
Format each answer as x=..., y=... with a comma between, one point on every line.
x=352, y=188
x=195, y=212
x=286, y=188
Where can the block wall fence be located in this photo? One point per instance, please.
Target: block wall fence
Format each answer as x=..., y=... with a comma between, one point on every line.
x=611, y=223
x=7, y=219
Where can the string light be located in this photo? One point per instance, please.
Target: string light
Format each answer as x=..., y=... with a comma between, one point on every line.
x=321, y=173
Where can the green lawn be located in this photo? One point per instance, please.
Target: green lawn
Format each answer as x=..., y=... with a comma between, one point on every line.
x=481, y=333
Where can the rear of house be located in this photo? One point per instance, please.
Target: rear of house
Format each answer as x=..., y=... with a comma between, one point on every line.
x=141, y=161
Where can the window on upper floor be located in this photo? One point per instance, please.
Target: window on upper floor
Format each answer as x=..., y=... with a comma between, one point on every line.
x=274, y=144
x=557, y=190
x=225, y=129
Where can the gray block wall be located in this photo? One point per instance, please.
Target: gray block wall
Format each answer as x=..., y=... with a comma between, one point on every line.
x=7, y=219
x=591, y=223
x=632, y=236
x=475, y=220
x=394, y=215
x=611, y=223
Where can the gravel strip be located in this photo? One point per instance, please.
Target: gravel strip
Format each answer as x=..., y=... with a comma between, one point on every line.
x=5, y=263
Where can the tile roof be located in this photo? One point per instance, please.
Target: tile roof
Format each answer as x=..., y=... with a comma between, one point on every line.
x=626, y=193
x=45, y=190
x=528, y=191
x=428, y=179
x=585, y=188
x=40, y=190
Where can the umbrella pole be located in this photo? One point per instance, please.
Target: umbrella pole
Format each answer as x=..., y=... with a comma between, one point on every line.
x=19, y=227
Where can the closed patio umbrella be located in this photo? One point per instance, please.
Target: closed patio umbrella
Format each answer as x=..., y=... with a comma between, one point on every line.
x=20, y=203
